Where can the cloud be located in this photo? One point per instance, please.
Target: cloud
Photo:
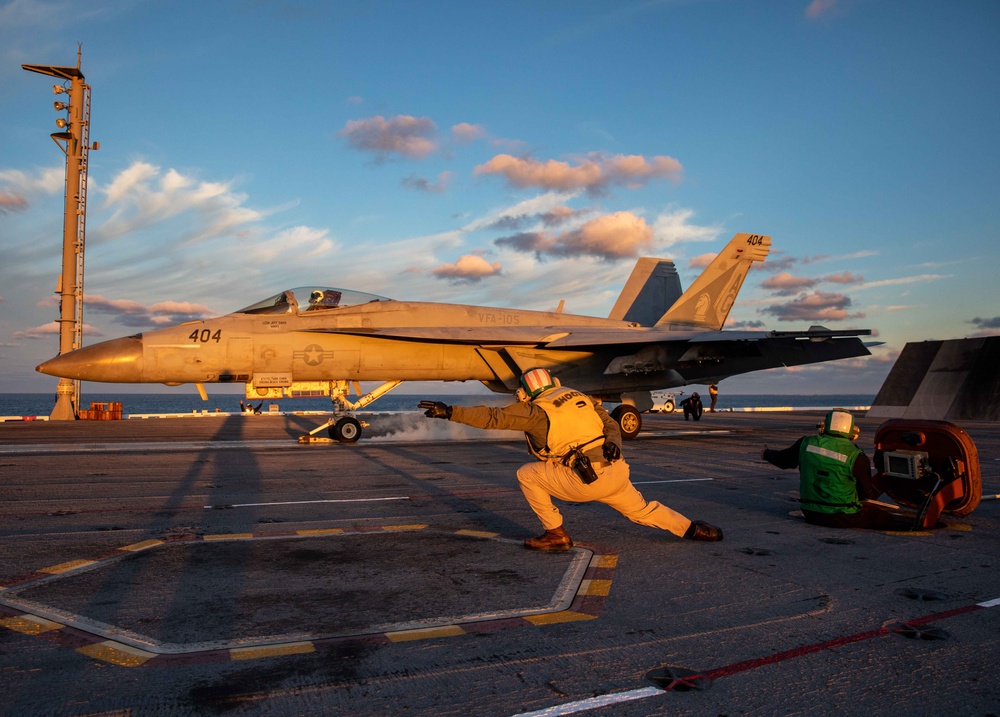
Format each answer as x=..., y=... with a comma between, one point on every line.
x=301, y=242
x=410, y=137
x=785, y=284
x=635, y=170
x=422, y=184
x=51, y=180
x=465, y=133
x=993, y=323
x=674, y=227
x=757, y=324
x=817, y=306
x=614, y=236
x=593, y=173
x=12, y=202
x=904, y=280
x=819, y=8
x=468, y=268
x=820, y=258
x=52, y=329
x=843, y=278
x=142, y=195
x=133, y=313
x=559, y=215
x=521, y=213
x=701, y=261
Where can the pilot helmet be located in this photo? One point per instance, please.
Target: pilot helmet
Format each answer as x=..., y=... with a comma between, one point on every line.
x=316, y=296
x=536, y=381
x=840, y=422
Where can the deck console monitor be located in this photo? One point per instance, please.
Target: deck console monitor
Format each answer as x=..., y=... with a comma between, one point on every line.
x=906, y=464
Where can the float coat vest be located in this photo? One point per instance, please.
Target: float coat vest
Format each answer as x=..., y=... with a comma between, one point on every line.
x=572, y=422
x=826, y=470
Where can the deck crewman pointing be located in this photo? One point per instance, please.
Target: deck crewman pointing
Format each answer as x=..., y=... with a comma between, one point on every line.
x=579, y=458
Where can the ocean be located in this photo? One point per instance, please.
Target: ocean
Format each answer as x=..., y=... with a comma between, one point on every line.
x=188, y=401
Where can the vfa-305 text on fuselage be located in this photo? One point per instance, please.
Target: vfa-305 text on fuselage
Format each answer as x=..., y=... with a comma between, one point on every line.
x=321, y=340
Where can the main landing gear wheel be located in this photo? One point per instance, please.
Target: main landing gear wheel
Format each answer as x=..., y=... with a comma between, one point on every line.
x=628, y=419
x=346, y=430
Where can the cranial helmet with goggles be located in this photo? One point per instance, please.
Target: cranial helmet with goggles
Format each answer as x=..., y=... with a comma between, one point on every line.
x=534, y=382
x=839, y=422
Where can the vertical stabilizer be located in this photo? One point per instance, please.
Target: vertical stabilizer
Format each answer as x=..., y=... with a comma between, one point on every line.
x=651, y=289
x=708, y=300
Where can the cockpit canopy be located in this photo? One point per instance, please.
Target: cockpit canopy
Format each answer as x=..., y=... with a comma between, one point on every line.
x=310, y=298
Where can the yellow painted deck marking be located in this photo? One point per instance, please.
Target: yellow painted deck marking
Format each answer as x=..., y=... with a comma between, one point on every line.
x=230, y=536
x=557, y=617
x=604, y=561
x=404, y=527
x=116, y=653
x=425, y=633
x=29, y=624
x=477, y=533
x=253, y=653
x=320, y=531
x=65, y=567
x=595, y=587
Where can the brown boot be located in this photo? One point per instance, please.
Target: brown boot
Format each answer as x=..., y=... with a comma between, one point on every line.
x=551, y=540
x=700, y=530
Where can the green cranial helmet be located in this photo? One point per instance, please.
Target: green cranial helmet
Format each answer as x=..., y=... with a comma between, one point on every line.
x=839, y=422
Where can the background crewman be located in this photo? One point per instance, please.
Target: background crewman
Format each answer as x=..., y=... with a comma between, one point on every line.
x=835, y=476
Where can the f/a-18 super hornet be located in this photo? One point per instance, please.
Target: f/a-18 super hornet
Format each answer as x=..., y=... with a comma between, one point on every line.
x=322, y=341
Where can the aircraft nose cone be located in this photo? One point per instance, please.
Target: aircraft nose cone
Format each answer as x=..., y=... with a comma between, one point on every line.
x=115, y=361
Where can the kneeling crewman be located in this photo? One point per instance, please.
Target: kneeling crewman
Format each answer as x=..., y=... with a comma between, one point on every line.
x=835, y=476
x=578, y=447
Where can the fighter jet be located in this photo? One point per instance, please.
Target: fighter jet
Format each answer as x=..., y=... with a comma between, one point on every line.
x=319, y=340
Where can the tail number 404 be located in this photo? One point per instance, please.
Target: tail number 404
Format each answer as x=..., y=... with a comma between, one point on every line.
x=205, y=335
x=755, y=240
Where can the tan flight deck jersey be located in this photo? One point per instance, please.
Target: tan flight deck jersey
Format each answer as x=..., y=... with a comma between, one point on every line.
x=545, y=479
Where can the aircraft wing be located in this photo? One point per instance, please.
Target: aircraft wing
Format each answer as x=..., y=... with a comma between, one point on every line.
x=476, y=335
x=584, y=336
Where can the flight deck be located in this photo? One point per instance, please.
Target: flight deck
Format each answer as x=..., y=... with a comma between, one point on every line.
x=214, y=564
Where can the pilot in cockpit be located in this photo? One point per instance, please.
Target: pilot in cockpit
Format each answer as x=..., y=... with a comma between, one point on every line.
x=315, y=300
x=320, y=299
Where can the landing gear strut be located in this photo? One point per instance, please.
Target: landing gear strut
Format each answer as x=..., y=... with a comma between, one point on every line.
x=344, y=427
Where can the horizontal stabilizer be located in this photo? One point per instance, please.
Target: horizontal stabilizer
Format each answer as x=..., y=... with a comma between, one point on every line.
x=819, y=332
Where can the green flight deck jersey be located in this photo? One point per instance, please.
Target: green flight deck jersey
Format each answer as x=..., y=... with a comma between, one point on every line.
x=826, y=467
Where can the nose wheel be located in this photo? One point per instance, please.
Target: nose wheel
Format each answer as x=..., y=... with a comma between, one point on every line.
x=346, y=430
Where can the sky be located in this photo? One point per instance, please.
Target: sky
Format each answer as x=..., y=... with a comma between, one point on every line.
x=511, y=154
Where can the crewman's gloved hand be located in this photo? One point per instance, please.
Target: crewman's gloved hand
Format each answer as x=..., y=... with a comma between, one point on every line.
x=612, y=451
x=435, y=409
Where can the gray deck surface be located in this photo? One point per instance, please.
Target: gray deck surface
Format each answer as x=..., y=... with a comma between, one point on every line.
x=213, y=565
